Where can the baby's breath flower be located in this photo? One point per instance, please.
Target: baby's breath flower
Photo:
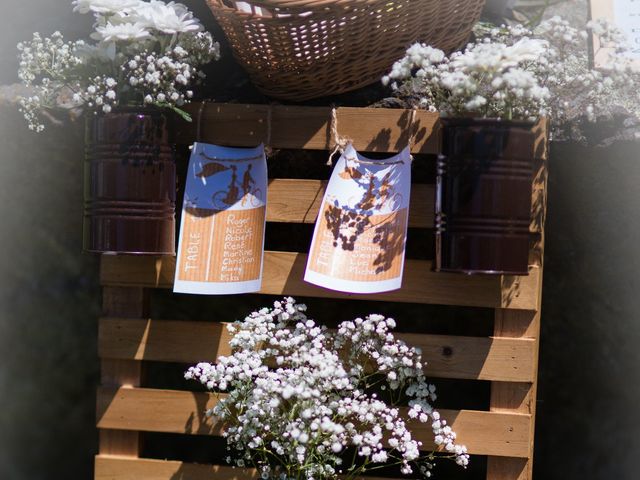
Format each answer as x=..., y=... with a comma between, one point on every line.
x=515, y=72
x=297, y=395
x=156, y=48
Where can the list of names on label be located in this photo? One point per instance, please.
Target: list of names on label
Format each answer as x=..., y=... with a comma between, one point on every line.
x=237, y=245
x=373, y=253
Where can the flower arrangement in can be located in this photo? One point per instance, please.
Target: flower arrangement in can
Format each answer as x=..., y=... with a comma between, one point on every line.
x=299, y=401
x=520, y=73
x=141, y=54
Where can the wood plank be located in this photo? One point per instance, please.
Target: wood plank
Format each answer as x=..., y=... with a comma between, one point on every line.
x=521, y=292
x=474, y=358
x=521, y=397
x=131, y=302
x=300, y=127
x=516, y=397
x=162, y=340
x=117, y=468
x=299, y=201
x=284, y=271
x=539, y=200
x=484, y=433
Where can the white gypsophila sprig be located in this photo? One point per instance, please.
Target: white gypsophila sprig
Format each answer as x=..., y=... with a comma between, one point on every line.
x=513, y=72
x=44, y=66
x=147, y=53
x=488, y=78
x=580, y=90
x=297, y=396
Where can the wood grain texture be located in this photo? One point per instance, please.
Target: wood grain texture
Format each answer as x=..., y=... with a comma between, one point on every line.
x=131, y=302
x=169, y=411
x=516, y=397
x=299, y=201
x=284, y=272
x=472, y=358
x=300, y=127
x=117, y=468
x=125, y=443
x=521, y=397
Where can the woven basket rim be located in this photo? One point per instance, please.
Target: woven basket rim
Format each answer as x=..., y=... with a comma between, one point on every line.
x=306, y=5
x=284, y=49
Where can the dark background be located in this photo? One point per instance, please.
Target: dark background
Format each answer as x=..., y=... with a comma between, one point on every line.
x=588, y=420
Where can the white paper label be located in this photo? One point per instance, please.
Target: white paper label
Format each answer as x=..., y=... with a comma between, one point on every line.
x=627, y=19
x=360, y=235
x=221, y=245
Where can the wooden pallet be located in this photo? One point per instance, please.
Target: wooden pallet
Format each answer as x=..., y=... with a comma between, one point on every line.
x=128, y=338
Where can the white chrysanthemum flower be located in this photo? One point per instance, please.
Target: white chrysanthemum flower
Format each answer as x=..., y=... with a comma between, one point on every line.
x=105, y=6
x=122, y=31
x=168, y=18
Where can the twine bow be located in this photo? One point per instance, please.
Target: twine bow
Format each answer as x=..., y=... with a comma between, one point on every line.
x=340, y=143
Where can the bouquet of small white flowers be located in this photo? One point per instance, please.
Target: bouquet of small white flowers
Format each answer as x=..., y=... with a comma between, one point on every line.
x=146, y=53
x=295, y=396
x=518, y=73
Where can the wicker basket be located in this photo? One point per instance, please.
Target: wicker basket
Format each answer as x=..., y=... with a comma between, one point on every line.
x=302, y=49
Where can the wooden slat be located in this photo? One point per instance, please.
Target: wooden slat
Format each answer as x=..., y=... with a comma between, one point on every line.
x=298, y=127
x=302, y=127
x=521, y=397
x=299, y=201
x=284, y=271
x=131, y=302
x=516, y=397
x=475, y=358
x=117, y=468
x=484, y=433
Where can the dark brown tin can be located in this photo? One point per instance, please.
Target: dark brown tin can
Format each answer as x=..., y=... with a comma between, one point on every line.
x=129, y=183
x=483, y=196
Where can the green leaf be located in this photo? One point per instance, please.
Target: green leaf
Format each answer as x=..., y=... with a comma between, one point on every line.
x=184, y=115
